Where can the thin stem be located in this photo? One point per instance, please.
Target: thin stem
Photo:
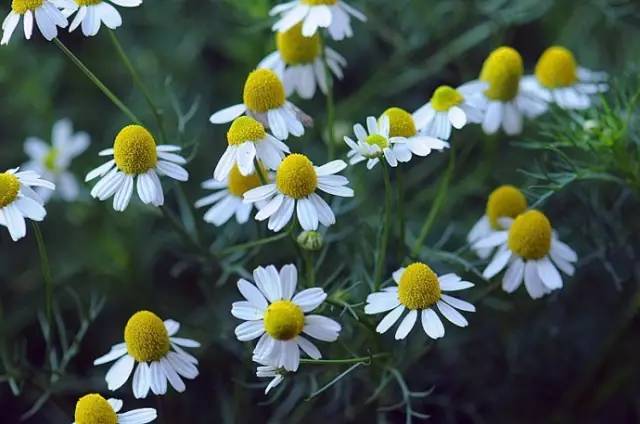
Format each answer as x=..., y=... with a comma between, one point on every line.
x=260, y=172
x=254, y=243
x=331, y=110
x=308, y=261
x=116, y=101
x=179, y=228
x=384, y=239
x=401, y=217
x=46, y=275
x=363, y=359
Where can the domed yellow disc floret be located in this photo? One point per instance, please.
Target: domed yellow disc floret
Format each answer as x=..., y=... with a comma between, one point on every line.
x=283, y=320
x=146, y=337
x=377, y=140
x=557, y=68
x=263, y=91
x=22, y=6
x=319, y=2
x=135, y=150
x=295, y=48
x=94, y=409
x=445, y=97
x=505, y=201
x=419, y=287
x=296, y=176
x=502, y=70
x=9, y=188
x=88, y=2
x=245, y=129
x=238, y=184
x=401, y=123
x=530, y=235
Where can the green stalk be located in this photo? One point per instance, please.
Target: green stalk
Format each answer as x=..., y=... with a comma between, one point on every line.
x=363, y=359
x=331, y=109
x=401, y=217
x=263, y=178
x=46, y=275
x=255, y=243
x=308, y=261
x=384, y=240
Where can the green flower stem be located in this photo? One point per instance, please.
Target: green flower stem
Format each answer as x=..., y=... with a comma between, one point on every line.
x=436, y=206
x=360, y=359
x=384, y=239
x=116, y=101
x=309, y=266
x=331, y=110
x=255, y=243
x=263, y=178
x=179, y=228
x=401, y=216
x=46, y=275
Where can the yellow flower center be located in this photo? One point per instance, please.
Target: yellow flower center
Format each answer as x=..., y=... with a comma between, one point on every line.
x=419, y=287
x=297, y=49
x=530, y=235
x=146, y=337
x=296, y=176
x=557, y=68
x=502, y=70
x=9, y=188
x=135, y=150
x=283, y=320
x=50, y=159
x=377, y=140
x=505, y=201
x=22, y=6
x=94, y=409
x=263, y=91
x=245, y=129
x=401, y=123
x=238, y=184
x=88, y=2
x=319, y=2
x=445, y=97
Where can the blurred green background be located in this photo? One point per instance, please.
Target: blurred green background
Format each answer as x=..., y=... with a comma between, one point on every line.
x=571, y=357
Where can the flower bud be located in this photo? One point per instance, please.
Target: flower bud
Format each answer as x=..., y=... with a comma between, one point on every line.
x=310, y=240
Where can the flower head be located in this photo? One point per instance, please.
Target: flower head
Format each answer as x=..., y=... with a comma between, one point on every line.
x=45, y=13
x=94, y=409
x=90, y=14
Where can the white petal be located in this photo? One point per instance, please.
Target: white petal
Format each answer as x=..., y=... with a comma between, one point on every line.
x=119, y=372
x=390, y=319
x=141, y=381
x=227, y=115
x=249, y=330
x=451, y=314
x=406, y=325
x=549, y=274
x=252, y=294
x=309, y=299
x=458, y=303
x=431, y=324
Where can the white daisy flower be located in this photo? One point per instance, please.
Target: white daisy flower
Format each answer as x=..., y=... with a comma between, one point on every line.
x=52, y=161
x=273, y=314
x=295, y=187
x=334, y=15
x=506, y=101
x=92, y=13
x=419, y=290
x=227, y=200
x=265, y=99
x=504, y=202
x=93, y=408
x=276, y=374
x=558, y=79
x=531, y=251
x=149, y=342
x=248, y=141
x=46, y=13
x=18, y=200
x=448, y=107
x=299, y=62
x=136, y=157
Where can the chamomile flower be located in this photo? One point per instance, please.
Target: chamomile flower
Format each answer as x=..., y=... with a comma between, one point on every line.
x=530, y=250
x=18, y=200
x=150, y=342
x=500, y=95
x=248, y=141
x=420, y=291
x=264, y=99
x=276, y=374
x=558, y=79
x=295, y=186
x=52, y=161
x=299, y=62
x=45, y=12
x=275, y=314
x=94, y=409
x=334, y=15
x=448, y=107
x=227, y=200
x=504, y=202
x=136, y=158
x=372, y=143
x=92, y=13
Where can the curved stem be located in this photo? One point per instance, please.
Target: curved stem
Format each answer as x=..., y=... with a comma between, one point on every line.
x=115, y=99
x=401, y=216
x=46, y=274
x=384, y=239
x=363, y=359
x=255, y=243
x=260, y=172
x=308, y=260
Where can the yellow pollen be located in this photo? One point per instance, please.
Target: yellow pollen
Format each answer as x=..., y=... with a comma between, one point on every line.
x=238, y=184
x=505, y=201
x=94, y=409
x=88, y=2
x=146, y=337
x=401, y=123
x=283, y=320
x=22, y=6
x=419, y=287
x=50, y=159
x=295, y=48
x=9, y=188
x=556, y=68
x=502, y=70
x=245, y=129
x=135, y=150
x=377, y=140
x=319, y=2
x=445, y=97
x=296, y=176
x=530, y=235
x=263, y=91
